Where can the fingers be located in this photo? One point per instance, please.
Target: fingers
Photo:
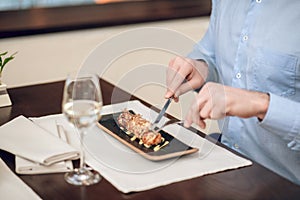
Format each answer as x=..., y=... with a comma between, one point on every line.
x=186, y=86
x=169, y=94
x=171, y=73
x=192, y=117
x=195, y=113
x=179, y=68
x=208, y=104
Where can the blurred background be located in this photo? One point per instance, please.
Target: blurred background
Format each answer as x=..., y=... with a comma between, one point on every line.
x=54, y=37
x=26, y=4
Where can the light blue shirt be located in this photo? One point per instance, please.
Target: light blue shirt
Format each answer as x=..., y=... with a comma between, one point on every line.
x=255, y=45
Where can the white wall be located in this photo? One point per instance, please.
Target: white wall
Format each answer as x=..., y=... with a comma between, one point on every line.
x=50, y=57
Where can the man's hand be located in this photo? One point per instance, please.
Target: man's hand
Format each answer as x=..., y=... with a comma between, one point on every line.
x=183, y=75
x=215, y=101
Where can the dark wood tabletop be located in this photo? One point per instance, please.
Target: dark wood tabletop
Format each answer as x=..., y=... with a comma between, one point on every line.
x=253, y=182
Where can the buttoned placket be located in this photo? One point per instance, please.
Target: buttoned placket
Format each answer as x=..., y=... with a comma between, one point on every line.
x=235, y=127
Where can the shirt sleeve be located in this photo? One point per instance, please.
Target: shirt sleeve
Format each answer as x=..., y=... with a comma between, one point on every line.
x=283, y=119
x=205, y=48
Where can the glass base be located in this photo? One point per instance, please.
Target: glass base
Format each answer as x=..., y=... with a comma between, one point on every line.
x=82, y=176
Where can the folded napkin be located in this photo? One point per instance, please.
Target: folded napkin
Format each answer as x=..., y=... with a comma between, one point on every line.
x=27, y=140
x=24, y=166
x=12, y=187
x=130, y=172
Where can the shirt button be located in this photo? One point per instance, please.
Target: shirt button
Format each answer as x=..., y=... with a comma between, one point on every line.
x=258, y=1
x=236, y=146
x=238, y=75
x=245, y=38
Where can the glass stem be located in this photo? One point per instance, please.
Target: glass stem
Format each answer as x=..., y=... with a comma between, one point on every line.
x=82, y=155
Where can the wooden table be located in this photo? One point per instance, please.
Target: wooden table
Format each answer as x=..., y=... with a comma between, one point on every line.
x=253, y=182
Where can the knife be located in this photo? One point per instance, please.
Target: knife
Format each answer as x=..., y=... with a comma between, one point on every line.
x=161, y=113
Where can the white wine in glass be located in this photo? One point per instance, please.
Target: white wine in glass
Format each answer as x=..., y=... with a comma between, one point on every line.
x=82, y=102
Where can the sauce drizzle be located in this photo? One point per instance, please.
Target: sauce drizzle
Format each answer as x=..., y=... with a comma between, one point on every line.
x=156, y=148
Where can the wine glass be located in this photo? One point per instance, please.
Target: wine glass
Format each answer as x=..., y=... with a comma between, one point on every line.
x=82, y=102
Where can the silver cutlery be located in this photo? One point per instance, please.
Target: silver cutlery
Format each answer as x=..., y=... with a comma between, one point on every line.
x=161, y=114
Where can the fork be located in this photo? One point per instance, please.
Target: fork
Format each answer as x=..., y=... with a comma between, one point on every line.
x=169, y=122
x=63, y=134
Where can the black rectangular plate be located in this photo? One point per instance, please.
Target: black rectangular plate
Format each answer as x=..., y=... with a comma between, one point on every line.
x=174, y=148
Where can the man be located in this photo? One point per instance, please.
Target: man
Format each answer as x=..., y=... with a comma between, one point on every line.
x=248, y=68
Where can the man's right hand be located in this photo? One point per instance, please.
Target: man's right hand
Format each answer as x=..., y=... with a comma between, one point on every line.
x=183, y=75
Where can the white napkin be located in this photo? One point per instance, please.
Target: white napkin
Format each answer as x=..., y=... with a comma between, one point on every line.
x=12, y=187
x=24, y=166
x=130, y=172
x=25, y=139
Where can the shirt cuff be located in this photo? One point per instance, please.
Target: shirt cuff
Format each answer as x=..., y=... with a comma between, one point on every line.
x=282, y=117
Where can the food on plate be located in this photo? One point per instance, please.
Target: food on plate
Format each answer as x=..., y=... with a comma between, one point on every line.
x=151, y=138
x=139, y=127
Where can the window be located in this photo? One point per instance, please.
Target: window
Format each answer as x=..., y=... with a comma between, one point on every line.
x=45, y=16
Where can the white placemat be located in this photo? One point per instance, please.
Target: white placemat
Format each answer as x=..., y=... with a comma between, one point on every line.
x=130, y=172
x=12, y=187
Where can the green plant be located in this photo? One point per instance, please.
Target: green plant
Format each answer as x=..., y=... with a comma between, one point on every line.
x=4, y=61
